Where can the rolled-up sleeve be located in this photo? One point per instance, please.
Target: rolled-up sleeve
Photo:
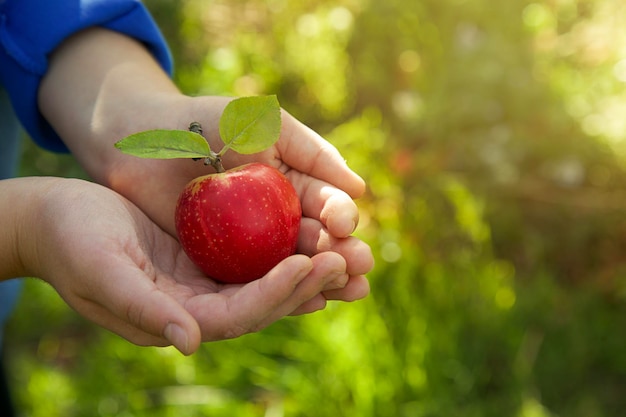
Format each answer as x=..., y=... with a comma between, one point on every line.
x=31, y=29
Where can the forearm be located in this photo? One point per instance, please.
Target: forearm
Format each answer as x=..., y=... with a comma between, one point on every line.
x=95, y=99
x=90, y=98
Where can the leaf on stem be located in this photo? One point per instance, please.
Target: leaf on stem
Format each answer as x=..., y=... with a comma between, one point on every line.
x=250, y=124
x=165, y=144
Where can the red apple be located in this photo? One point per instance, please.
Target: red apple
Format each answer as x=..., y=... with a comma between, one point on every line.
x=237, y=225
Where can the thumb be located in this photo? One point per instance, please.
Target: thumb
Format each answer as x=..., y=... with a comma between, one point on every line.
x=164, y=316
x=141, y=308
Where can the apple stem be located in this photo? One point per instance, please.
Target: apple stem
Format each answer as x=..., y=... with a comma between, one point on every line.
x=215, y=161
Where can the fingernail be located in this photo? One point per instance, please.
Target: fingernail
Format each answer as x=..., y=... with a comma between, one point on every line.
x=177, y=337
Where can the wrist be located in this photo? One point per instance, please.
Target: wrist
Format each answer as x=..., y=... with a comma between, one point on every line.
x=21, y=222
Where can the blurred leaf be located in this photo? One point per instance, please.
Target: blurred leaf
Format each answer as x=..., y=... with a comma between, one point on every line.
x=491, y=138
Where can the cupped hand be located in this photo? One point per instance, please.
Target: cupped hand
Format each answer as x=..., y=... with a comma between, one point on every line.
x=117, y=268
x=326, y=185
x=123, y=91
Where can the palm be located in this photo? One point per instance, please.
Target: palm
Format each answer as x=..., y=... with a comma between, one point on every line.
x=119, y=269
x=157, y=282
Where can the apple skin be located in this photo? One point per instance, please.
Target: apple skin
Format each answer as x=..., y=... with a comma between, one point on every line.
x=237, y=225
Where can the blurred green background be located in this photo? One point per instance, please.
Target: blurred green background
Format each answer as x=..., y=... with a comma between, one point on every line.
x=492, y=137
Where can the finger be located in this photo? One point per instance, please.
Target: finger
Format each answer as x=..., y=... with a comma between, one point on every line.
x=157, y=313
x=354, y=288
x=316, y=303
x=104, y=318
x=357, y=288
x=314, y=238
x=328, y=268
x=321, y=200
x=140, y=303
x=241, y=309
x=254, y=306
x=304, y=150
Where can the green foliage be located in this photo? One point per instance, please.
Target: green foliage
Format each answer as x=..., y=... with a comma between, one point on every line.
x=491, y=136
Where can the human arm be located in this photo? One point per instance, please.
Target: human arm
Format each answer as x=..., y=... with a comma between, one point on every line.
x=94, y=99
x=117, y=268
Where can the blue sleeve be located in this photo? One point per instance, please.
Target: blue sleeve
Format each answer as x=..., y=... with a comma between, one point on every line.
x=31, y=29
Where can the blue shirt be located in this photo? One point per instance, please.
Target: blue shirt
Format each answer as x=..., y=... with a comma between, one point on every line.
x=29, y=31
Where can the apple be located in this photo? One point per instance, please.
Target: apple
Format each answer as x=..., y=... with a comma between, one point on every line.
x=234, y=225
x=238, y=224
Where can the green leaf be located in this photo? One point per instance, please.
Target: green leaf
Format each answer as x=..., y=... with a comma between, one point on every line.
x=250, y=124
x=165, y=144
